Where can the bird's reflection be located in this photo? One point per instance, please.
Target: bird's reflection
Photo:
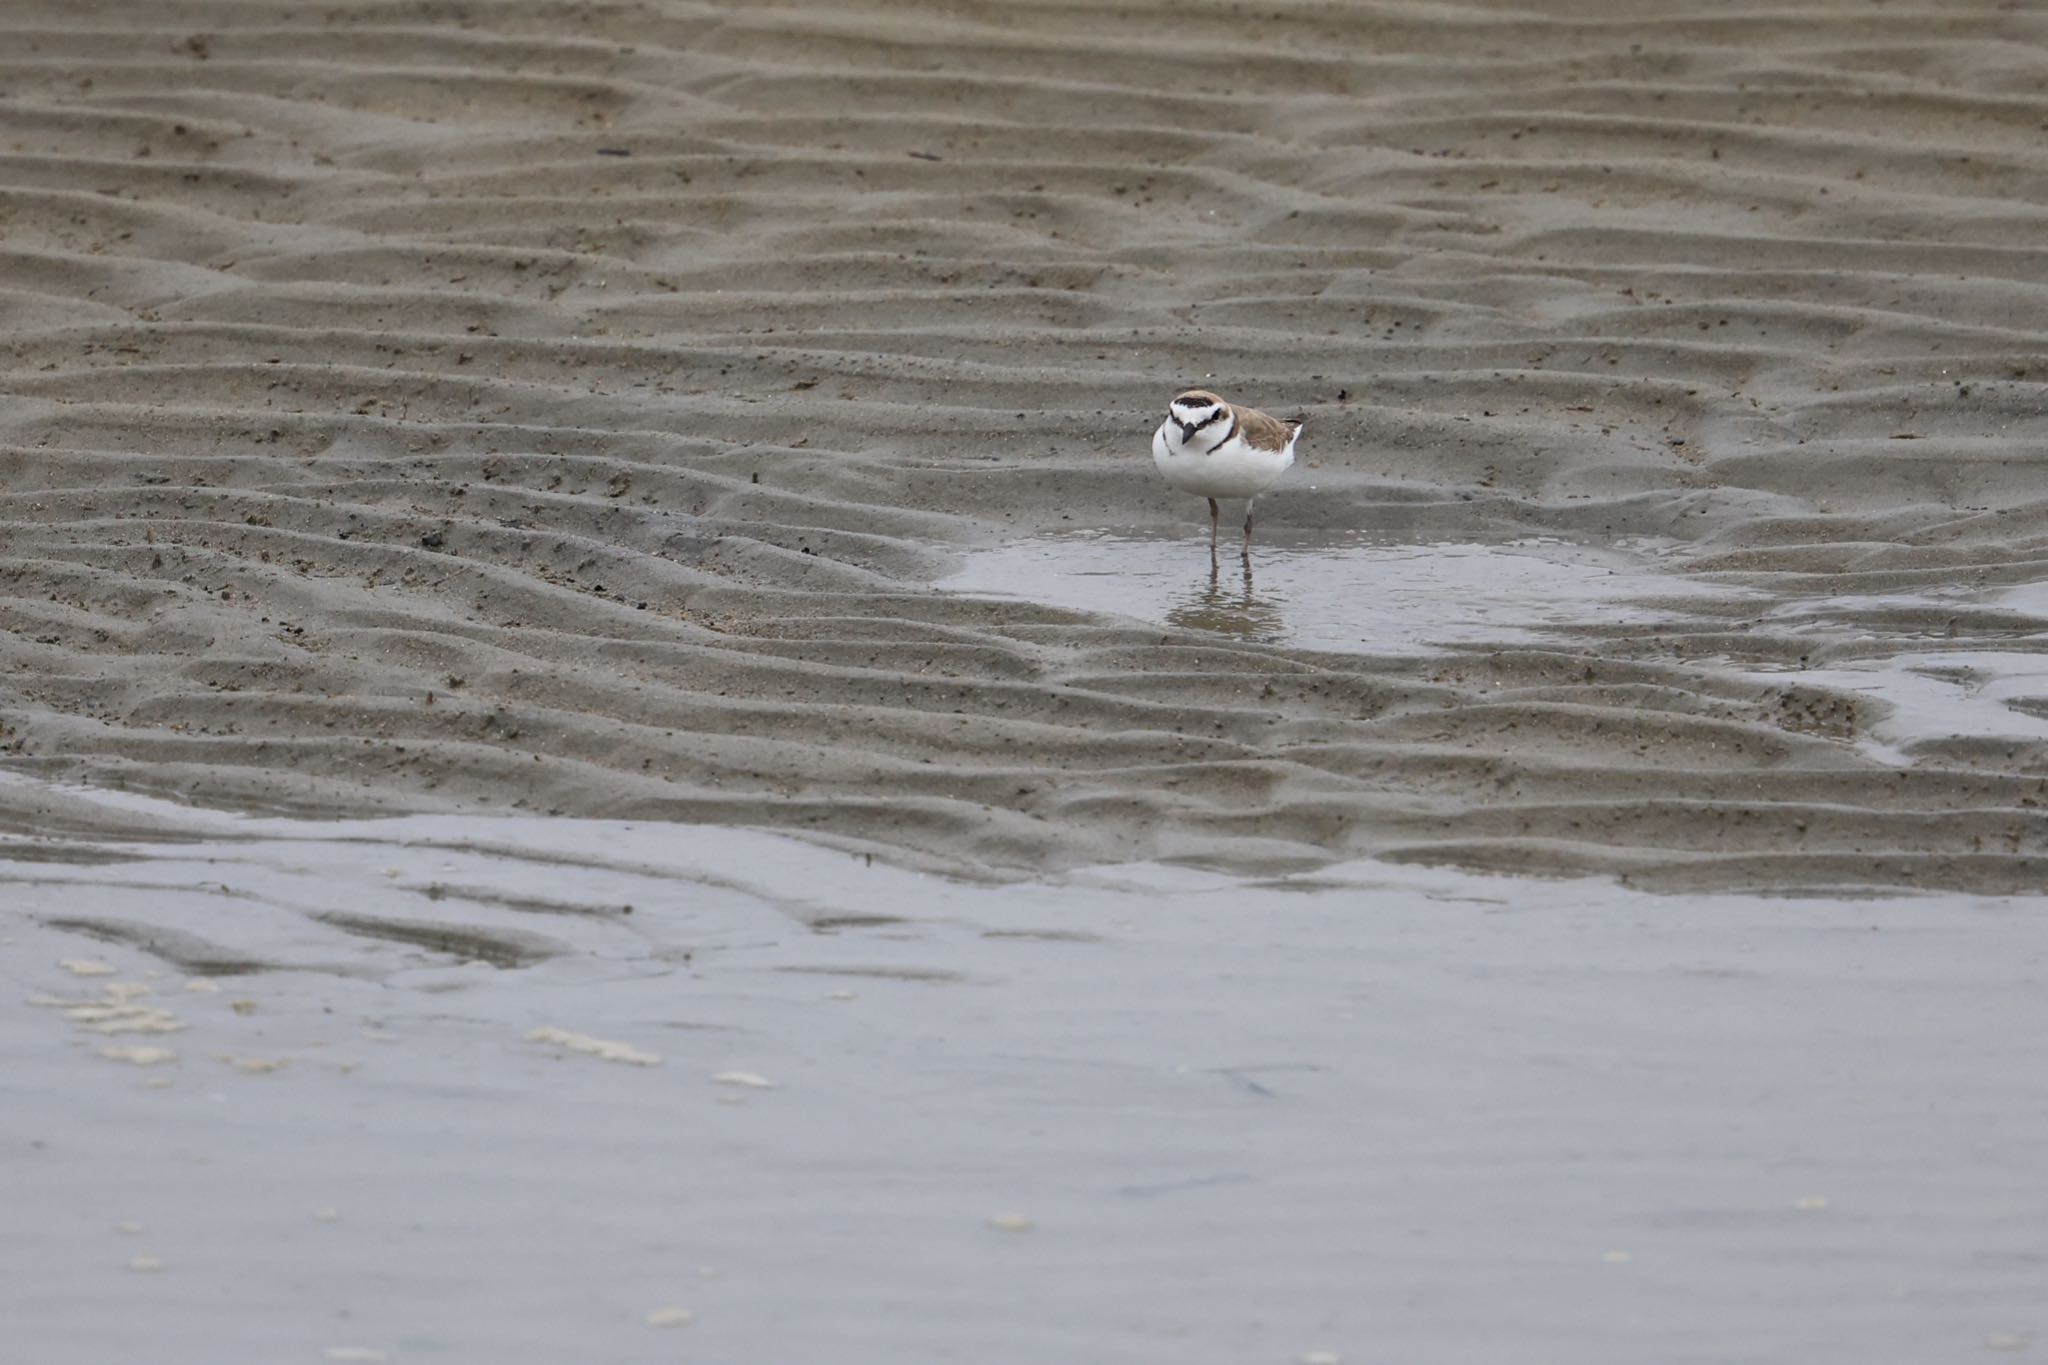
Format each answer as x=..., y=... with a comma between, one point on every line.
x=1227, y=604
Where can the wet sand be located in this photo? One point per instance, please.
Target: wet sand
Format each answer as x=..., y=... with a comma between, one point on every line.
x=427, y=1089
x=602, y=435
x=572, y=408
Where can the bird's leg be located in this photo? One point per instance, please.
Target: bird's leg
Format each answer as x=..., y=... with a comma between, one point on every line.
x=1214, y=513
x=1247, y=533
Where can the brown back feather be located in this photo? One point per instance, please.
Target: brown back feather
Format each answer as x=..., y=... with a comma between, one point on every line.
x=1262, y=432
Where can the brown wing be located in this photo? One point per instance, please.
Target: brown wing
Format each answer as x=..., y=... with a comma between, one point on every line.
x=1262, y=432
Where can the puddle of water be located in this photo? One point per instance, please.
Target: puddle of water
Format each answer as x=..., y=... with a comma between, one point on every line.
x=1355, y=593
x=1955, y=693
x=1389, y=595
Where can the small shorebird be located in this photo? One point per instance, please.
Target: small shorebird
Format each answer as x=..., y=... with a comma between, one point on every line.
x=1217, y=450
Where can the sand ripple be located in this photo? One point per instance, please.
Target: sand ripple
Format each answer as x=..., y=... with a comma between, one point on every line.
x=569, y=409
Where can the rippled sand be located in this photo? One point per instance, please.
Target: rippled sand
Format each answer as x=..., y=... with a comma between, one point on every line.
x=570, y=408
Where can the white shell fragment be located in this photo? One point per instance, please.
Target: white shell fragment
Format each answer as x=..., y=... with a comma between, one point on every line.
x=671, y=1317
x=1010, y=1222
x=139, y=1056
x=126, y=1019
x=602, y=1048
x=254, y=1066
x=369, y=1355
x=145, y=1263
x=746, y=1078
x=1812, y=1203
x=79, y=966
x=115, y=1011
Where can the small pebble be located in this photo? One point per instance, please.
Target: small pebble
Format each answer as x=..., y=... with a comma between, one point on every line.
x=79, y=966
x=670, y=1317
x=1010, y=1222
x=369, y=1355
x=1321, y=1358
x=145, y=1263
x=1617, y=1257
x=1812, y=1203
x=131, y=1227
x=327, y=1215
x=139, y=1056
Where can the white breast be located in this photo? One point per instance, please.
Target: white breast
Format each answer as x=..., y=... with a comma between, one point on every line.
x=1233, y=470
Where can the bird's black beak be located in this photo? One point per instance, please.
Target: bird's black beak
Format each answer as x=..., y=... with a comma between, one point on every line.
x=1185, y=430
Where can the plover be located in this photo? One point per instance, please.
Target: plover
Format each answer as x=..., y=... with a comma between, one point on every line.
x=1216, y=449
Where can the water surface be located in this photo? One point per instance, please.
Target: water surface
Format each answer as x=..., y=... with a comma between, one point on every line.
x=456, y=1088
x=1353, y=592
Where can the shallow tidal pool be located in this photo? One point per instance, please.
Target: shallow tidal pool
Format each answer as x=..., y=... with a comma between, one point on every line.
x=1351, y=592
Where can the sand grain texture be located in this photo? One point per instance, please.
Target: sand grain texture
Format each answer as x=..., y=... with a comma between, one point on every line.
x=568, y=408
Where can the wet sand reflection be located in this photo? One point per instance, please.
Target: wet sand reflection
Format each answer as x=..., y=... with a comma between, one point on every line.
x=1227, y=603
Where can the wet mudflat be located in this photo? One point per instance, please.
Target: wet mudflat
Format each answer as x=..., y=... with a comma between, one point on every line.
x=556, y=411
x=570, y=410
